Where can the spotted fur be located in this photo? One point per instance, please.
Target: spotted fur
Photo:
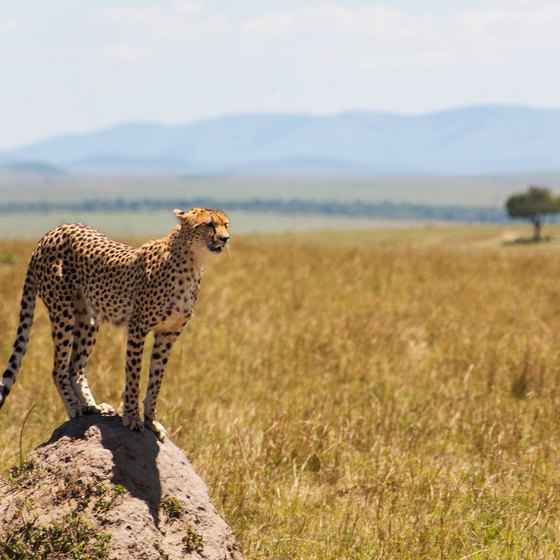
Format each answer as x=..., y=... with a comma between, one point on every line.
x=84, y=278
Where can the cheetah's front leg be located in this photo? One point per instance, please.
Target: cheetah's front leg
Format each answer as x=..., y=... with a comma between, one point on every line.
x=163, y=342
x=134, y=347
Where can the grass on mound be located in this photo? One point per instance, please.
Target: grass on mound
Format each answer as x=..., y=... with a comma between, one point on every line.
x=357, y=396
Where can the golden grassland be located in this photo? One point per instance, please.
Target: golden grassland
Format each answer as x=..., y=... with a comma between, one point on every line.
x=352, y=396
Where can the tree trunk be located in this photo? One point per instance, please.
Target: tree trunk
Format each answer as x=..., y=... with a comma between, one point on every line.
x=537, y=228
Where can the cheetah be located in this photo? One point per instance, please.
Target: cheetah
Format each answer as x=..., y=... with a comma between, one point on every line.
x=85, y=279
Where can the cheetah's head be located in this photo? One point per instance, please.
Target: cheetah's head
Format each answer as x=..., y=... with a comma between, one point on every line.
x=207, y=227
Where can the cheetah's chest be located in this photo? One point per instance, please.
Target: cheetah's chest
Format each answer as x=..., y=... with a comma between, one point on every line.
x=180, y=305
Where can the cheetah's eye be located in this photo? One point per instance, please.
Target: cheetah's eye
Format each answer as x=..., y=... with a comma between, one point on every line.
x=211, y=225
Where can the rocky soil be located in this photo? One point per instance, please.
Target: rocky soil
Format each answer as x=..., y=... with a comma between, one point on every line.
x=98, y=491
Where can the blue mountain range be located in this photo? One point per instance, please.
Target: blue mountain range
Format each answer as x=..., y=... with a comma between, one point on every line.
x=472, y=140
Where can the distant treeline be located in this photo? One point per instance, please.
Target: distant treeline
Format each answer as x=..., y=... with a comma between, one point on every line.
x=355, y=208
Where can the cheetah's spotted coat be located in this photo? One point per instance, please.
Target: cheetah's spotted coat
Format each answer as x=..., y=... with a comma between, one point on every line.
x=84, y=278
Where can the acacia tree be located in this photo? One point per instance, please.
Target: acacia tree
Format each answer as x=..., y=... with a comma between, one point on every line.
x=534, y=205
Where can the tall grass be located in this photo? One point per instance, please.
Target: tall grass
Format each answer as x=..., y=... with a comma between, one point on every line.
x=351, y=400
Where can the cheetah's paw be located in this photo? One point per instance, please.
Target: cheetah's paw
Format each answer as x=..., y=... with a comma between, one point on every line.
x=103, y=409
x=133, y=422
x=157, y=428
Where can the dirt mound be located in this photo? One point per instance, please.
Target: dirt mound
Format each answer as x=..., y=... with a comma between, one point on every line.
x=98, y=491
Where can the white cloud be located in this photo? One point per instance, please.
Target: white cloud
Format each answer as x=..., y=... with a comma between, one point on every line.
x=370, y=38
x=425, y=59
x=10, y=25
x=187, y=7
x=128, y=53
x=378, y=21
x=132, y=16
x=183, y=20
x=354, y=55
x=366, y=38
x=277, y=24
x=533, y=18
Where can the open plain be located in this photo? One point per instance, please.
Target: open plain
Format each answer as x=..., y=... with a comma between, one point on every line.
x=357, y=395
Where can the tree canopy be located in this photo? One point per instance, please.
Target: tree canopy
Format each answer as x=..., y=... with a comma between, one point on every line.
x=534, y=204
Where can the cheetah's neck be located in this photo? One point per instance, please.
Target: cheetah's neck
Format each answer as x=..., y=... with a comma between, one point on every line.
x=183, y=248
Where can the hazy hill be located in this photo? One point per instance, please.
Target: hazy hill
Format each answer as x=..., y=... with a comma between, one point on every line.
x=469, y=140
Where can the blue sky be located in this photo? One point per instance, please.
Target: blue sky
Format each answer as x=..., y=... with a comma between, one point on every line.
x=72, y=66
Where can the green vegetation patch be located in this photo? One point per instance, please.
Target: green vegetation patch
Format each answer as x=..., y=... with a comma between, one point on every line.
x=159, y=549
x=24, y=475
x=99, y=496
x=70, y=537
x=192, y=541
x=172, y=508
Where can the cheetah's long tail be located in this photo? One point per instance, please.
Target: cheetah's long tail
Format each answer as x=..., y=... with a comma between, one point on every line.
x=22, y=336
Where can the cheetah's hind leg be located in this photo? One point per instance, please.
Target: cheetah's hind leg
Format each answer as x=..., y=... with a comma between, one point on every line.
x=62, y=339
x=85, y=333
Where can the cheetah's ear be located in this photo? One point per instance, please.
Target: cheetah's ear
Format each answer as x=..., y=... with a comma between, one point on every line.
x=180, y=215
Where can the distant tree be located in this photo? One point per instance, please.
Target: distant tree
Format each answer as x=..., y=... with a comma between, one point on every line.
x=534, y=205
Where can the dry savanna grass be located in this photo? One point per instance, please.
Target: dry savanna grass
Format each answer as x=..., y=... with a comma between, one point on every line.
x=352, y=396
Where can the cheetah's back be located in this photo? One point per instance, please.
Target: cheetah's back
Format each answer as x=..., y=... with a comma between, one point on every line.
x=75, y=262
